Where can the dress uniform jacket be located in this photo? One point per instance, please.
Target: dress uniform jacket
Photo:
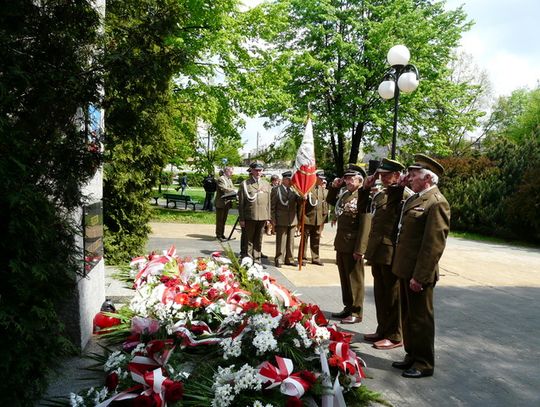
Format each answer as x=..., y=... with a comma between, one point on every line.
x=352, y=224
x=386, y=208
x=224, y=186
x=284, y=217
x=254, y=200
x=425, y=222
x=283, y=206
x=316, y=209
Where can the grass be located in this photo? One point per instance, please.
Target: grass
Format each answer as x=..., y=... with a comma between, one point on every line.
x=165, y=215
x=196, y=193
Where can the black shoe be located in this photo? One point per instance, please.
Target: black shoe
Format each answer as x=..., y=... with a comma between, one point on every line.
x=317, y=262
x=415, y=373
x=221, y=239
x=264, y=256
x=403, y=364
x=277, y=264
x=343, y=314
x=291, y=263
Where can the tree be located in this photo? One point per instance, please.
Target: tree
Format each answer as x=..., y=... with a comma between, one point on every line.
x=47, y=80
x=330, y=55
x=149, y=42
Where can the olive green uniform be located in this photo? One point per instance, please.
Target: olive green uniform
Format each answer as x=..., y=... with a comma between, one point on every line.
x=352, y=225
x=422, y=232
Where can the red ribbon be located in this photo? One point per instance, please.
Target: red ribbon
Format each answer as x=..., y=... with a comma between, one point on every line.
x=290, y=383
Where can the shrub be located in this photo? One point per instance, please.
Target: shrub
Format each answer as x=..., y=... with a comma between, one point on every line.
x=45, y=162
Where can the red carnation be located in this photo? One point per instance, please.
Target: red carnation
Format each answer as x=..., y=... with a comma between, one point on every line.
x=248, y=306
x=270, y=309
x=143, y=401
x=174, y=392
x=111, y=381
x=293, y=402
x=212, y=293
x=308, y=376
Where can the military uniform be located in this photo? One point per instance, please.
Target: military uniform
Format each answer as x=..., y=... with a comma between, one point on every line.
x=386, y=208
x=224, y=186
x=254, y=211
x=352, y=225
x=315, y=215
x=284, y=219
x=422, y=232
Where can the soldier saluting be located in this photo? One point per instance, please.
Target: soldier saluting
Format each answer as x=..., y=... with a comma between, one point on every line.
x=349, y=245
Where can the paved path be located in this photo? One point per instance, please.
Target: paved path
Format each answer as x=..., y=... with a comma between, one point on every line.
x=487, y=306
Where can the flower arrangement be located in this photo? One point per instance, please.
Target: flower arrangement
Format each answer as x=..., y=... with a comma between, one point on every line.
x=214, y=332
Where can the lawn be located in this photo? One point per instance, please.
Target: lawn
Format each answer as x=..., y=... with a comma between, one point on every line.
x=161, y=214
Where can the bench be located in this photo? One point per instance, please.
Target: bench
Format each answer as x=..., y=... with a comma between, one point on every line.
x=155, y=198
x=185, y=199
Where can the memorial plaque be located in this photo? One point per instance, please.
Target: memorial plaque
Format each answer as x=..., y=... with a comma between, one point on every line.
x=93, y=235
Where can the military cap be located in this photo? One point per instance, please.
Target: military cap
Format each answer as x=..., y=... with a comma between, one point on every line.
x=320, y=174
x=423, y=161
x=255, y=166
x=286, y=174
x=388, y=165
x=353, y=169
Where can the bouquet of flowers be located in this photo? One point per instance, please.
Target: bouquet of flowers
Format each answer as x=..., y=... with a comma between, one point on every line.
x=214, y=332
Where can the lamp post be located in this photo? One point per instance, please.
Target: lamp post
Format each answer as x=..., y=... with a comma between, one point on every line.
x=401, y=76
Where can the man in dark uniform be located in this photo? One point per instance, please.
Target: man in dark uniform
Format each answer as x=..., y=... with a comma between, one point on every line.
x=254, y=209
x=316, y=212
x=284, y=220
x=422, y=230
x=210, y=186
x=351, y=224
x=385, y=208
x=225, y=187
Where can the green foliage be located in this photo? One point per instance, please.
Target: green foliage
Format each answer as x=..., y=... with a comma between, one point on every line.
x=149, y=43
x=330, y=56
x=46, y=78
x=497, y=194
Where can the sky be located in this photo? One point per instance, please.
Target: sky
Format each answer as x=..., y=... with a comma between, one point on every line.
x=504, y=42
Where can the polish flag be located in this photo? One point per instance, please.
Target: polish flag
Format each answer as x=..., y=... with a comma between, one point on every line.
x=304, y=177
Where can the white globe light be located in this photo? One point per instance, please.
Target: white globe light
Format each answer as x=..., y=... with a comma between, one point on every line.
x=407, y=82
x=387, y=89
x=398, y=55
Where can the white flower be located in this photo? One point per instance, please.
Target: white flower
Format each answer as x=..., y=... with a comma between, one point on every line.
x=247, y=262
x=114, y=361
x=321, y=334
x=231, y=347
x=302, y=332
x=75, y=400
x=264, y=341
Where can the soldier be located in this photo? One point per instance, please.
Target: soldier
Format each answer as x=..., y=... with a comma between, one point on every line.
x=422, y=230
x=284, y=220
x=226, y=187
x=351, y=225
x=254, y=209
x=316, y=212
x=385, y=207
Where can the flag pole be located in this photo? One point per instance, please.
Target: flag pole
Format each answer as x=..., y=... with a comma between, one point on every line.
x=302, y=240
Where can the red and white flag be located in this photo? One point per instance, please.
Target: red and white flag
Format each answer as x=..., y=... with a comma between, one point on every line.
x=304, y=177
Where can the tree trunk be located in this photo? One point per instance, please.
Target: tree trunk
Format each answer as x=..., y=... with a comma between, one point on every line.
x=357, y=136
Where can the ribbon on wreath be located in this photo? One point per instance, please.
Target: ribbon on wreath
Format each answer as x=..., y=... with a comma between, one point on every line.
x=278, y=292
x=181, y=330
x=291, y=384
x=348, y=361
